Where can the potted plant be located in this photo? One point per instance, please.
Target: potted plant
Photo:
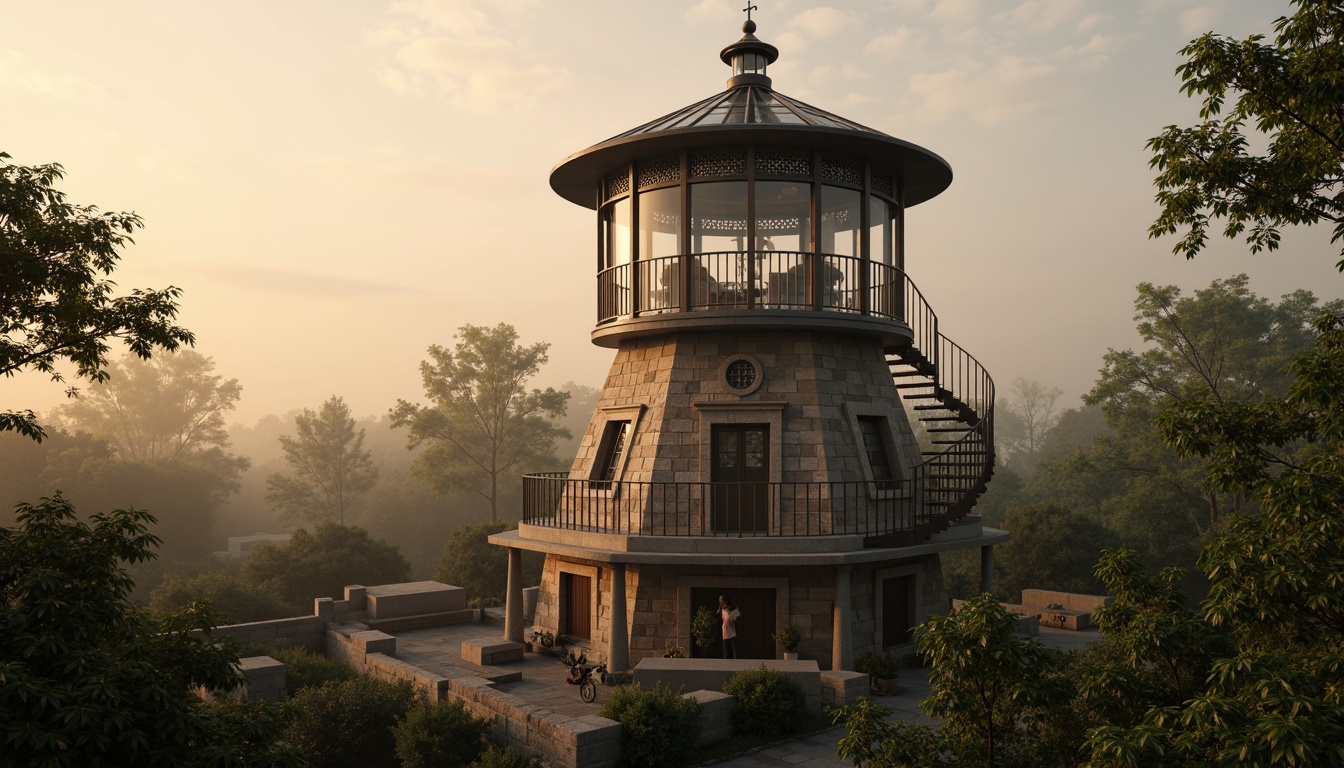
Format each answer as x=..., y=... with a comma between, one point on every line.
x=704, y=630
x=787, y=638
x=881, y=670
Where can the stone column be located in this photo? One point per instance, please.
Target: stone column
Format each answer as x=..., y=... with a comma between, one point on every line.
x=842, y=643
x=987, y=569
x=618, y=654
x=513, y=601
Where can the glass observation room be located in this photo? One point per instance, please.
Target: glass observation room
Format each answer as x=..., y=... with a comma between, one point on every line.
x=750, y=229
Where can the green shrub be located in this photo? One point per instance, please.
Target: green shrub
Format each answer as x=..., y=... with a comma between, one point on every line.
x=303, y=668
x=880, y=665
x=238, y=600
x=440, y=734
x=787, y=638
x=495, y=757
x=659, y=726
x=705, y=630
x=350, y=722
x=769, y=702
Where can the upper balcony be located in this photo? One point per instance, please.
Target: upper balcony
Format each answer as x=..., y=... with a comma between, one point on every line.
x=767, y=288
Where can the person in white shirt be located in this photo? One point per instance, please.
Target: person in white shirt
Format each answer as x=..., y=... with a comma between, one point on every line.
x=728, y=616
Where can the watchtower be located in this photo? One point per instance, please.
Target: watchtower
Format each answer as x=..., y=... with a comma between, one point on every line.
x=783, y=422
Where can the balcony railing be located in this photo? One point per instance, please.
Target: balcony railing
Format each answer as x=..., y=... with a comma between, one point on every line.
x=735, y=280
x=556, y=500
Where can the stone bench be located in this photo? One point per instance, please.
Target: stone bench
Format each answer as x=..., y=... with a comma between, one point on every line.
x=711, y=674
x=491, y=654
x=416, y=598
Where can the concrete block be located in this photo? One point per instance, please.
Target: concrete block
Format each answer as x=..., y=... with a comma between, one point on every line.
x=711, y=674
x=1067, y=600
x=716, y=715
x=488, y=654
x=840, y=688
x=394, y=600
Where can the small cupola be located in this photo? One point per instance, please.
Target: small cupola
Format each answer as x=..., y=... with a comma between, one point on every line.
x=749, y=57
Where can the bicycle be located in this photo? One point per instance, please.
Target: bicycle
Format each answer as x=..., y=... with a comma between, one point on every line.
x=544, y=639
x=581, y=674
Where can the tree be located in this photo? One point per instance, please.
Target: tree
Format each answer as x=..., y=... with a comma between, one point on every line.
x=1031, y=415
x=162, y=445
x=484, y=424
x=1288, y=92
x=236, y=600
x=322, y=563
x=91, y=680
x=56, y=301
x=1271, y=697
x=331, y=468
x=165, y=409
x=1052, y=547
x=1003, y=700
x=472, y=562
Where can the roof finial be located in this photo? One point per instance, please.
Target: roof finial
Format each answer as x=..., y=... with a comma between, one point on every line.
x=749, y=26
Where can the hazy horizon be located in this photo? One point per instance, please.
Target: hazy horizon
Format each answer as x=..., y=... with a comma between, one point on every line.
x=336, y=186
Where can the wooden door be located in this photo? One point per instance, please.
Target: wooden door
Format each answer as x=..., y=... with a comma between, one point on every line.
x=754, y=628
x=578, y=605
x=898, y=615
x=740, y=474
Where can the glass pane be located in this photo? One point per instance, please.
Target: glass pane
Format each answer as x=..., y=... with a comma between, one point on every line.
x=726, y=450
x=755, y=449
x=719, y=235
x=880, y=230
x=784, y=215
x=618, y=232
x=659, y=223
x=840, y=221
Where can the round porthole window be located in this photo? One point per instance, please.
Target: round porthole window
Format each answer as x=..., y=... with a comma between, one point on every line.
x=741, y=374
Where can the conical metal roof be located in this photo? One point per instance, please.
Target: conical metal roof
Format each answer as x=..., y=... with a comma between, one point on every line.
x=750, y=111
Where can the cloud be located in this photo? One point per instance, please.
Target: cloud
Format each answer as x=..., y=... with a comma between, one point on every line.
x=822, y=21
x=708, y=11
x=449, y=49
x=1010, y=89
x=290, y=283
x=957, y=11
x=15, y=71
x=892, y=45
x=1040, y=15
x=1197, y=20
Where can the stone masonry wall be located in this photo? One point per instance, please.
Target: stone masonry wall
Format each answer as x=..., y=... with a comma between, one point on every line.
x=816, y=374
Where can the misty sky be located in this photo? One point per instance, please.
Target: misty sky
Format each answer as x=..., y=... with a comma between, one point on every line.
x=338, y=185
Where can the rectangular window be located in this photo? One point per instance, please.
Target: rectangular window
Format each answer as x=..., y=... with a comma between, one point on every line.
x=871, y=428
x=611, y=453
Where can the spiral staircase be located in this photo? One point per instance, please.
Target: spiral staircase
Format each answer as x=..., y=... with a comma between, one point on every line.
x=951, y=396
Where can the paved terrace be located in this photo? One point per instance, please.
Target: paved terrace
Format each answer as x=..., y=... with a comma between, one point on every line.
x=543, y=683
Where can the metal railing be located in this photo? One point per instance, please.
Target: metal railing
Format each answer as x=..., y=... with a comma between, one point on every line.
x=941, y=488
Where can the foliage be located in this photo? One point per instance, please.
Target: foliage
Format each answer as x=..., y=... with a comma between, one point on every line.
x=787, y=637
x=485, y=425
x=470, y=561
x=674, y=652
x=250, y=736
x=1288, y=92
x=87, y=678
x=350, y=722
x=440, y=734
x=991, y=689
x=238, y=601
x=169, y=408
x=56, y=301
x=880, y=665
x=1274, y=698
x=329, y=464
x=1052, y=548
x=659, y=726
x=1024, y=420
x=303, y=668
x=768, y=702
x=705, y=630
x=871, y=741
x=323, y=562
x=508, y=757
